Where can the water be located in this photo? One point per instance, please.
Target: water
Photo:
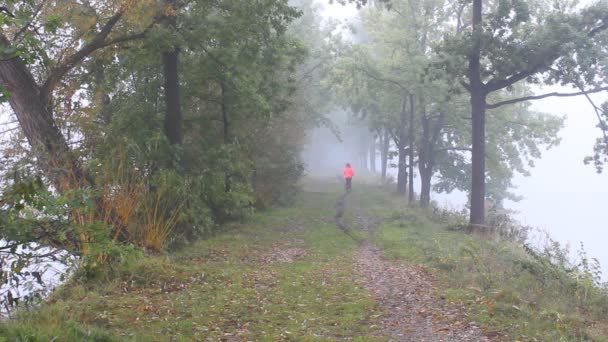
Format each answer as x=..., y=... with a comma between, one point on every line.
x=45, y=269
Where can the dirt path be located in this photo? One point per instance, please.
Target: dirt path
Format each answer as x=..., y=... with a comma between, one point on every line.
x=404, y=292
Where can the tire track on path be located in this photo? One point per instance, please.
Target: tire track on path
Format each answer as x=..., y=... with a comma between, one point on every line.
x=404, y=292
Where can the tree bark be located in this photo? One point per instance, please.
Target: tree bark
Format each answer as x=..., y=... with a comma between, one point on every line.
x=478, y=103
x=224, y=107
x=225, y=130
x=477, y=219
x=36, y=121
x=372, y=155
x=402, y=168
x=426, y=153
x=173, y=112
x=386, y=141
x=411, y=152
x=363, y=158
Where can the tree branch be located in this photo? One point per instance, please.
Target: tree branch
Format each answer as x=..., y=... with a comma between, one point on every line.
x=9, y=130
x=597, y=30
x=538, y=97
x=36, y=12
x=465, y=85
x=72, y=60
x=464, y=149
x=494, y=85
x=598, y=112
x=6, y=11
x=394, y=136
x=380, y=79
x=500, y=84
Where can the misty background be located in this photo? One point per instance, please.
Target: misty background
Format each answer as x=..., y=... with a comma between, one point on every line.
x=562, y=196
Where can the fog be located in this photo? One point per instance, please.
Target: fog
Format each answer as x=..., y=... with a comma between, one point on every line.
x=562, y=196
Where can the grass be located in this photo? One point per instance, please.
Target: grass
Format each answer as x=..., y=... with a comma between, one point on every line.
x=220, y=288
x=233, y=286
x=510, y=293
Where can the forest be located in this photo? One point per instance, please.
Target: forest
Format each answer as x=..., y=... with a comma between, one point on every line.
x=147, y=142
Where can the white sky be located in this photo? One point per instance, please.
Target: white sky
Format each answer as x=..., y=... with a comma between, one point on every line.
x=562, y=196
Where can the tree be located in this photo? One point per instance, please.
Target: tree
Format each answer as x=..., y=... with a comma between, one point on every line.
x=523, y=41
x=170, y=58
x=32, y=101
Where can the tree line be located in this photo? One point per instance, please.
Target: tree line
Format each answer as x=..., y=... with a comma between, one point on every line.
x=449, y=84
x=155, y=121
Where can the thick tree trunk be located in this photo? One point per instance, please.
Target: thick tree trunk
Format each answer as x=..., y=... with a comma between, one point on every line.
x=173, y=112
x=54, y=156
x=426, y=152
x=372, y=155
x=411, y=152
x=386, y=142
x=425, y=186
x=36, y=121
x=477, y=219
x=402, y=168
x=402, y=171
x=425, y=159
x=478, y=103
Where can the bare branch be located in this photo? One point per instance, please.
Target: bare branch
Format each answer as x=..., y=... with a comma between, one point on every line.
x=9, y=130
x=598, y=112
x=538, y=97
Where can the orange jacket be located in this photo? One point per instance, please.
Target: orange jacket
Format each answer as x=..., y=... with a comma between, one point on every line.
x=348, y=172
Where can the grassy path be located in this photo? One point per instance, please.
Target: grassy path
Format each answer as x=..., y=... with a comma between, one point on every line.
x=287, y=274
x=404, y=292
x=378, y=271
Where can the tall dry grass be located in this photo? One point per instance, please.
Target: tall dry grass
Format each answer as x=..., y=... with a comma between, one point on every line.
x=126, y=203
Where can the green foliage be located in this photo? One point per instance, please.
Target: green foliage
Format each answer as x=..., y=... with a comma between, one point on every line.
x=400, y=57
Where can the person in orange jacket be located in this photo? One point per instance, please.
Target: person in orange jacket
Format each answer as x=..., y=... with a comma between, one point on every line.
x=348, y=176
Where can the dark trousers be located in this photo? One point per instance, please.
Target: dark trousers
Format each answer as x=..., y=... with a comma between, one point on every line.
x=348, y=183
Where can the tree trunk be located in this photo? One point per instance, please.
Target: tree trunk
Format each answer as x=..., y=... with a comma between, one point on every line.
x=173, y=112
x=478, y=103
x=36, y=121
x=402, y=169
x=426, y=154
x=54, y=156
x=372, y=155
x=225, y=131
x=384, y=153
x=225, y=123
x=425, y=186
x=477, y=219
x=411, y=152
x=363, y=158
